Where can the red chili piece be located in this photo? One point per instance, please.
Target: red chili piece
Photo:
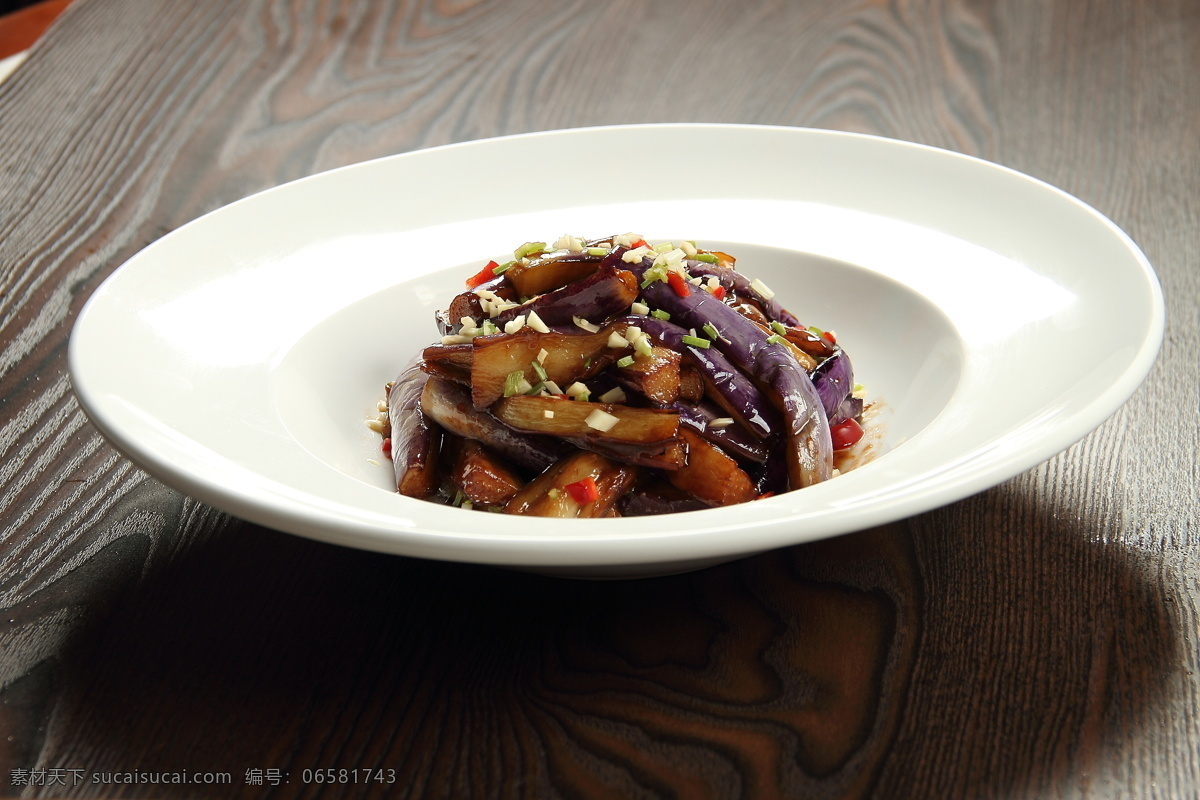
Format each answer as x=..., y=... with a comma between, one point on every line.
x=484, y=275
x=719, y=292
x=845, y=434
x=584, y=491
x=676, y=282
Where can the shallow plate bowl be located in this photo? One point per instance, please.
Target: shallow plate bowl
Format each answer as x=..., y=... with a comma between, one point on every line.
x=997, y=318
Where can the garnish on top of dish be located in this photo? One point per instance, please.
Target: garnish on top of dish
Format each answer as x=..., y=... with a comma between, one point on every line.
x=616, y=377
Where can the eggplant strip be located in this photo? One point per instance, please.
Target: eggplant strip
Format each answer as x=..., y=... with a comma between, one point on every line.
x=416, y=439
x=737, y=394
x=595, y=298
x=568, y=358
x=657, y=497
x=449, y=404
x=481, y=476
x=547, y=495
x=734, y=439
x=552, y=271
x=646, y=437
x=810, y=448
x=469, y=304
x=739, y=284
x=710, y=475
x=655, y=377
x=834, y=379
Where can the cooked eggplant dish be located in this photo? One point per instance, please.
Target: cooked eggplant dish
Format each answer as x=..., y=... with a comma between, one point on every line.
x=615, y=377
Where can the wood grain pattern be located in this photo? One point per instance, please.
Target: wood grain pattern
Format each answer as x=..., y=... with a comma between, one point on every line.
x=1036, y=640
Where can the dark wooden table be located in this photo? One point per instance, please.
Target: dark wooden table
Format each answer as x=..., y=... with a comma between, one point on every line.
x=1037, y=640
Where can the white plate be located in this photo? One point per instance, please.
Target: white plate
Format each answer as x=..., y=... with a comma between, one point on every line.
x=236, y=358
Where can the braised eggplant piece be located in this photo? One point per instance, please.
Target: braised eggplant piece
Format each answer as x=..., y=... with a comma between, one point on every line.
x=449, y=404
x=739, y=286
x=582, y=485
x=771, y=364
x=470, y=304
x=656, y=496
x=656, y=376
x=577, y=418
x=606, y=292
x=449, y=361
x=707, y=419
x=561, y=358
x=814, y=344
x=619, y=378
x=482, y=475
x=551, y=271
x=415, y=438
x=691, y=385
x=724, y=383
x=645, y=437
x=710, y=475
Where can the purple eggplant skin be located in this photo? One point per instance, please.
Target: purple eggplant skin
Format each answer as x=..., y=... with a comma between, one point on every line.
x=733, y=439
x=467, y=304
x=594, y=298
x=745, y=399
x=449, y=405
x=771, y=477
x=739, y=284
x=416, y=439
x=834, y=380
x=657, y=497
x=810, y=448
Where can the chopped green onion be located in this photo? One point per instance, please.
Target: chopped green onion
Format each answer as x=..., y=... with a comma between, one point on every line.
x=696, y=341
x=816, y=330
x=779, y=328
x=707, y=258
x=775, y=338
x=710, y=331
x=529, y=248
x=664, y=247
x=658, y=313
x=536, y=388
x=539, y=370
x=488, y=327
x=858, y=387
x=625, y=361
x=500, y=270
x=643, y=346
x=597, y=251
x=513, y=381
x=655, y=274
